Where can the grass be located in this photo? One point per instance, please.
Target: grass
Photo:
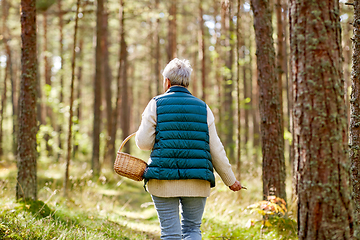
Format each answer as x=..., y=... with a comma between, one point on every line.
x=112, y=207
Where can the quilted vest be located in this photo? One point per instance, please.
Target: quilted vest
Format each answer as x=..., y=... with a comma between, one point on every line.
x=181, y=149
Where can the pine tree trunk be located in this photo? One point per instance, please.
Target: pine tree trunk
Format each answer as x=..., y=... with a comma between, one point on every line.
x=95, y=163
x=270, y=107
x=238, y=88
x=202, y=51
x=255, y=115
x=158, y=76
x=320, y=122
x=227, y=32
x=7, y=70
x=26, y=186
x=355, y=117
x=109, y=148
x=116, y=110
x=61, y=72
x=9, y=73
x=69, y=146
x=3, y=102
x=79, y=92
x=172, y=31
x=125, y=106
x=280, y=58
x=47, y=75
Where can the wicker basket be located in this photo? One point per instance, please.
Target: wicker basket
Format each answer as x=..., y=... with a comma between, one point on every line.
x=128, y=166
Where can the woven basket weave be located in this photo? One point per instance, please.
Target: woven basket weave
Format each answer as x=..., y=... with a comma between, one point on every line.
x=129, y=166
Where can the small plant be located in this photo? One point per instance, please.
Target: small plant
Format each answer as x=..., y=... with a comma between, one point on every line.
x=273, y=212
x=274, y=206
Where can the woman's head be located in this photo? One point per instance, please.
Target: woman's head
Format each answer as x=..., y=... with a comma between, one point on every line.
x=178, y=72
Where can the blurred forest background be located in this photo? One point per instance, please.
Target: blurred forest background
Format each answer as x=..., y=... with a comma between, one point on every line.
x=103, y=61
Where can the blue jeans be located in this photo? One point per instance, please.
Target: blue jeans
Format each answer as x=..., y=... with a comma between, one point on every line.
x=192, y=209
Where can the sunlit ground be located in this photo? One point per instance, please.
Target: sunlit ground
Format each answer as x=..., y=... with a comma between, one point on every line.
x=111, y=199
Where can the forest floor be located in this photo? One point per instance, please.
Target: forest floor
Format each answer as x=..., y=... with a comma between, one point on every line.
x=112, y=207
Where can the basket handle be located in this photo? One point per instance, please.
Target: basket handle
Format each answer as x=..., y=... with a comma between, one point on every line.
x=125, y=141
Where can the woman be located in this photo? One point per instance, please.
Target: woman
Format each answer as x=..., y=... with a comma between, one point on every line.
x=179, y=129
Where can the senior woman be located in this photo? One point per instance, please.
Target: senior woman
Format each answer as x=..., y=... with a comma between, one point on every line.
x=179, y=129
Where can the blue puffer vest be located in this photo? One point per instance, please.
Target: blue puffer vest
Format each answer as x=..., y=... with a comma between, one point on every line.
x=181, y=149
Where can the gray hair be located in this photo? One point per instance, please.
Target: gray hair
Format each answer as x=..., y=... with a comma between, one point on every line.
x=178, y=72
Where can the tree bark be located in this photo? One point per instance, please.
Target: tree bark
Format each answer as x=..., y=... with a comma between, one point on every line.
x=3, y=102
x=280, y=58
x=320, y=122
x=95, y=163
x=79, y=92
x=47, y=75
x=172, y=30
x=108, y=93
x=26, y=186
x=7, y=70
x=121, y=60
x=228, y=118
x=158, y=76
x=238, y=88
x=202, y=53
x=61, y=72
x=69, y=146
x=355, y=117
x=274, y=174
x=125, y=106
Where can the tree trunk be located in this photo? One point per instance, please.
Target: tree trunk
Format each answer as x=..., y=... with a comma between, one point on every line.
x=355, y=117
x=255, y=115
x=61, y=72
x=269, y=103
x=108, y=93
x=202, y=55
x=14, y=102
x=47, y=75
x=280, y=58
x=238, y=90
x=7, y=70
x=10, y=74
x=79, y=92
x=172, y=30
x=26, y=186
x=3, y=102
x=95, y=163
x=227, y=32
x=320, y=123
x=69, y=146
x=158, y=76
x=247, y=93
x=125, y=106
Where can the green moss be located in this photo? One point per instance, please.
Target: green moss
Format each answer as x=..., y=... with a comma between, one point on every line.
x=37, y=208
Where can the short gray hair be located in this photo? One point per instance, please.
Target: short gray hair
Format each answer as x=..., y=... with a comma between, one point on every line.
x=178, y=72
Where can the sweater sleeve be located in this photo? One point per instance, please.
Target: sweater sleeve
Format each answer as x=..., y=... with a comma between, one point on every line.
x=145, y=136
x=219, y=159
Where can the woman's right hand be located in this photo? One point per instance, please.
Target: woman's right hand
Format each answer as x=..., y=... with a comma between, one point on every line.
x=236, y=186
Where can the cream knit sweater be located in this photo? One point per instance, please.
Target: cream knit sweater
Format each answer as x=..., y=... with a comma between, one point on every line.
x=145, y=139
